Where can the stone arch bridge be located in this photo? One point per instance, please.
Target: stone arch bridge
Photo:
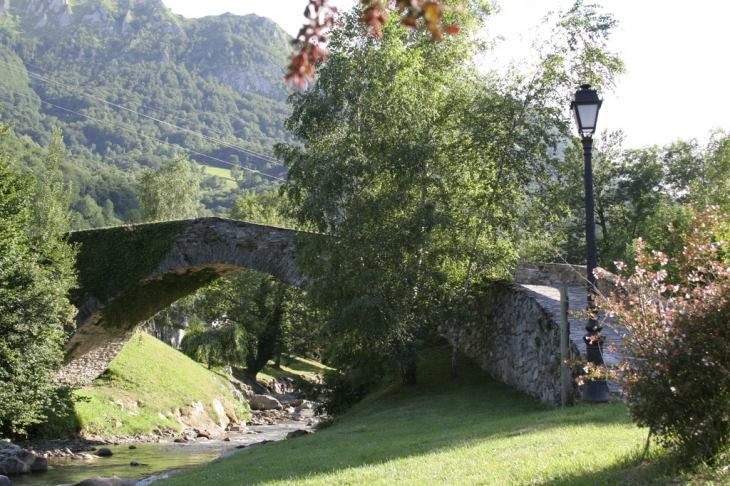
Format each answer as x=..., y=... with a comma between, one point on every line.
x=127, y=274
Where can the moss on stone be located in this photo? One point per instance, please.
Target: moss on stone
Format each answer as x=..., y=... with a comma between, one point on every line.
x=113, y=260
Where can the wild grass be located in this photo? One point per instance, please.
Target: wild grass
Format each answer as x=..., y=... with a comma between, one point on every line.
x=292, y=367
x=146, y=381
x=472, y=430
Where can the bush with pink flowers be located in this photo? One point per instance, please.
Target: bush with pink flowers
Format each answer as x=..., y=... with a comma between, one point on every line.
x=676, y=371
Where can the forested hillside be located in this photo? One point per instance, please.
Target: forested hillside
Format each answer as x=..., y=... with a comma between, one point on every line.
x=131, y=84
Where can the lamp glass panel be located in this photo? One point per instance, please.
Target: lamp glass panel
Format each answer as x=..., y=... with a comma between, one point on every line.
x=588, y=115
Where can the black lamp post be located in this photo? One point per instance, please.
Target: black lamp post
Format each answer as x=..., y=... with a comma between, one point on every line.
x=585, y=109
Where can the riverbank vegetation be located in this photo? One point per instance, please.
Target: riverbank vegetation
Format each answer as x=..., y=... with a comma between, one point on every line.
x=473, y=430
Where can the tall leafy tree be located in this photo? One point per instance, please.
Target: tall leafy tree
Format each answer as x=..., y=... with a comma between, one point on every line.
x=36, y=273
x=170, y=192
x=374, y=174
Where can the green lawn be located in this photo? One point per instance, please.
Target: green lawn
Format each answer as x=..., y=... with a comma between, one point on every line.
x=220, y=172
x=473, y=430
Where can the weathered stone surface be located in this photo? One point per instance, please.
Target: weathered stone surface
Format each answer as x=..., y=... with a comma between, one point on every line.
x=556, y=274
x=515, y=340
x=7, y=448
x=203, y=250
x=12, y=466
x=5, y=481
x=514, y=334
x=264, y=402
x=222, y=416
x=112, y=481
x=104, y=452
x=34, y=462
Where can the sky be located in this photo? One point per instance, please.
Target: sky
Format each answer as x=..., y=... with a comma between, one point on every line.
x=676, y=55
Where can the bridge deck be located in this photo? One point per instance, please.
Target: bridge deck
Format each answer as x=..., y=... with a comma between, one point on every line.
x=548, y=296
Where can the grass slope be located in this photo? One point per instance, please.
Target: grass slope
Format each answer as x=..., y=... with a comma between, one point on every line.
x=473, y=430
x=292, y=367
x=158, y=379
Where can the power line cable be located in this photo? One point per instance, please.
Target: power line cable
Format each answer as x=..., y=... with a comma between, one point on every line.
x=182, y=118
x=249, y=152
x=146, y=136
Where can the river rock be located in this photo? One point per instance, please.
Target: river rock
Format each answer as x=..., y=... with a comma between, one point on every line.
x=12, y=466
x=112, y=481
x=264, y=402
x=34, y=462
x=196, y=417
x=5, y=481
x=104, y=452
x=7, y=448
x=298, y=433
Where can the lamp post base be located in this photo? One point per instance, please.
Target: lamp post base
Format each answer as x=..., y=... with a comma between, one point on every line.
x=595, y=391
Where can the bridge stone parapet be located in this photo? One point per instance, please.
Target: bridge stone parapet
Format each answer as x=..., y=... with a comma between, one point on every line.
x=560, y=275
x=514, y=330
x=515, y=339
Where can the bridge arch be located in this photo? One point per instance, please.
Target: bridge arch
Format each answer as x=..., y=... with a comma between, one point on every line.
x=127, y=274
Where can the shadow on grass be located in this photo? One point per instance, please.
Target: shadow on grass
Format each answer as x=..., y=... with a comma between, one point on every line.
x=291, y=367
x=658, y=468
x=438, y=415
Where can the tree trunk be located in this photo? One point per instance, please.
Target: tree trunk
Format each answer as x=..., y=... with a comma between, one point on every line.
x=277, y=362
x=454, y=352
x=250, y=374
x=408, y=374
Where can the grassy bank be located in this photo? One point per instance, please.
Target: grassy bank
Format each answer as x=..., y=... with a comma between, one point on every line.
x=144, y=386
x=473, y=430
x=292, y=367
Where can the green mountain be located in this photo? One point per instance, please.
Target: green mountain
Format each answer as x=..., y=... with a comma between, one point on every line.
x=130, y=83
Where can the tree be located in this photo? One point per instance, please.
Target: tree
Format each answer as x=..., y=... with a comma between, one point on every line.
x=170, y=192
x=418, y=167
x=370, y=176
x=700, y=175
x=36, y=273
x=224, y=344
x=262, y=208
x=638, y=192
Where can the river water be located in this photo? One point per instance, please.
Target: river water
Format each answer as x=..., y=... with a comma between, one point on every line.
x=154, y=458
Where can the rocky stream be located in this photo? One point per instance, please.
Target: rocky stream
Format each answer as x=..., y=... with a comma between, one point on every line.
x=141, y=460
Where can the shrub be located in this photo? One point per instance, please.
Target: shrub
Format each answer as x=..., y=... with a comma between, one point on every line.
x=676, y=370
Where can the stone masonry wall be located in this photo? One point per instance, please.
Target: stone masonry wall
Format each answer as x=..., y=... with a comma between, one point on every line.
x=515, y=340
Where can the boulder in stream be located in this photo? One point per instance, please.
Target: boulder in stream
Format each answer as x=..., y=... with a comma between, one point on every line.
x=12, y=466
x=264, y=402
x=34, y=462
x=5, y=481
x=104, y=452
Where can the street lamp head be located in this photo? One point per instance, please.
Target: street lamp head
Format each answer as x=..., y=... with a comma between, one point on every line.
x=585, y=109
